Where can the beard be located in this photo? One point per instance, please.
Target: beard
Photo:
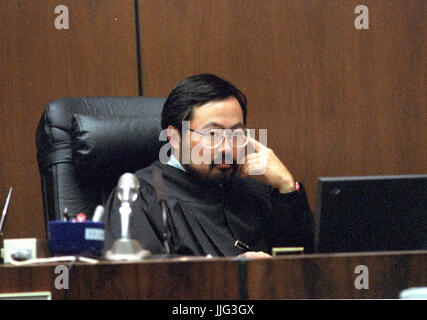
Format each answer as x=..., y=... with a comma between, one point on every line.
x=214, y=175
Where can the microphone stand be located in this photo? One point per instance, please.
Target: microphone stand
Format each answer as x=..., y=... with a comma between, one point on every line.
x=126, y=248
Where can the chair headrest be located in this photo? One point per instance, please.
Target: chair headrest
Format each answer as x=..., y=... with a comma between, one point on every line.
x=100, y=136
x=113, y=144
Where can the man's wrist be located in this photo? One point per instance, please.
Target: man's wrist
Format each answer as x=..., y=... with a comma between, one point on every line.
x=289, y=187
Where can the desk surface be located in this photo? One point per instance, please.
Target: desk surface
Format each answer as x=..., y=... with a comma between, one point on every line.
x=314, y=276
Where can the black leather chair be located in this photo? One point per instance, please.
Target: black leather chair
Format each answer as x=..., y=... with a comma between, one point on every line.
x=84, y=144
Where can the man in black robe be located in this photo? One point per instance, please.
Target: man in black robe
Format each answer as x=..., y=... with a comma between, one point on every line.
x=216, y=194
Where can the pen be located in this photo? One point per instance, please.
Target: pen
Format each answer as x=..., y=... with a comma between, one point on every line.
x=65, y=216
x=3, y=216
x=242, y=246
x=97, y=215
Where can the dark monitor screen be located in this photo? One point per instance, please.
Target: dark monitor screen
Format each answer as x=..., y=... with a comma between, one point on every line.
x=372, y=213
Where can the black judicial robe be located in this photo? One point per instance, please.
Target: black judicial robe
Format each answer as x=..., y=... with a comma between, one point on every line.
x=207, y=219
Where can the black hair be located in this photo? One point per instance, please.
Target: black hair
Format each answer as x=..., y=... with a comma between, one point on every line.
x=196, y=91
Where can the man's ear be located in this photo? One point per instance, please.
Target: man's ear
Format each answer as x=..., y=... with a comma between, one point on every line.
x=174, y=137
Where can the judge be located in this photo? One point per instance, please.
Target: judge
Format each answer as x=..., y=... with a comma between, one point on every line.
x=216, y=194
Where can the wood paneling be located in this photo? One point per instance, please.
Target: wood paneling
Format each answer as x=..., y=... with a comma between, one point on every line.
x=335, y=100
x=198, y=278
x=38, y=64
x=334, y=276
x=165, y=280
x=330, y=276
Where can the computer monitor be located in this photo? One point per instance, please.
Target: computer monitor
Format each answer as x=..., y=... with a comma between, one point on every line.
x=371, y=213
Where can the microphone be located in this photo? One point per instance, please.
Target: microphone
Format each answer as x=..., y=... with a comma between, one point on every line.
x=126, y=248
x=127, y=192
x=128, y=188
x=161, y=199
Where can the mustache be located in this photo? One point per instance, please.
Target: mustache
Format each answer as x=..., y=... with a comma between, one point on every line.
x=224, y=158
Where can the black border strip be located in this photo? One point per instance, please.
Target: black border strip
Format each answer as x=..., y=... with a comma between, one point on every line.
x=138, y=48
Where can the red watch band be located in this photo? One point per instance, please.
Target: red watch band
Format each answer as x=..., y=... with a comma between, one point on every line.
x=297, y=186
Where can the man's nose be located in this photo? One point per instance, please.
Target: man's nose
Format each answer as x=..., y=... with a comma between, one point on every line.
x=226, y=149
x=226, y=145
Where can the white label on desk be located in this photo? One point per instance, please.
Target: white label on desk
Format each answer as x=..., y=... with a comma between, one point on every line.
x=94, y=234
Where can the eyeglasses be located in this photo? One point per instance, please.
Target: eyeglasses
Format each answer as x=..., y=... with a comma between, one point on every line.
x=212, y=138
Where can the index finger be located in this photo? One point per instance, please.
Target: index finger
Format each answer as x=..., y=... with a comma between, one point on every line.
x=256, y=145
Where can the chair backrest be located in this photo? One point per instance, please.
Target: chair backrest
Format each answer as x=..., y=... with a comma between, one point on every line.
x=84, y=144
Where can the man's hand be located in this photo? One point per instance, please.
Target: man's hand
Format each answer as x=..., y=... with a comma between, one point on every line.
x=254, y=255
x=263, y=165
